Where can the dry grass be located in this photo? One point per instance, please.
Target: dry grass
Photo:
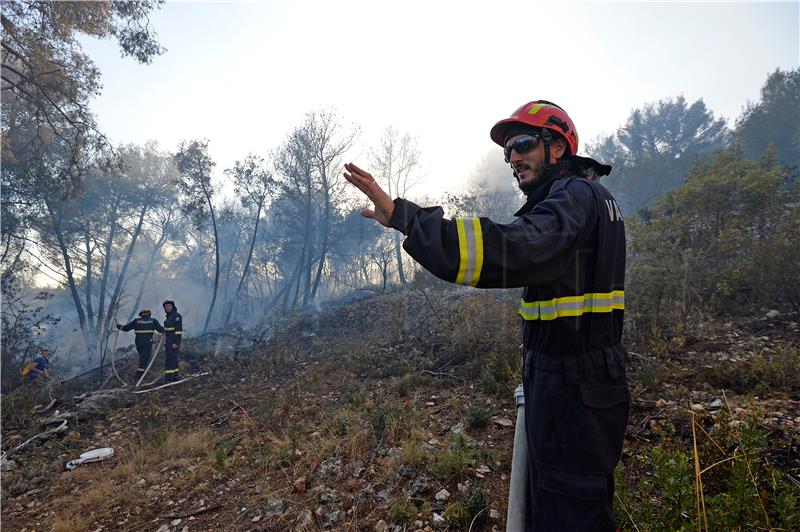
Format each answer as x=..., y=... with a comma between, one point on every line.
x=124, y=470
x=190, y=445
x=70, y=524
x=358, y=444
x=102, y=487
x=412, y=454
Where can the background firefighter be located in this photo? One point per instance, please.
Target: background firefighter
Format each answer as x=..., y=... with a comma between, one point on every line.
x=567, y=249
x=173, y=327
x=38, y=366
x=144, y=327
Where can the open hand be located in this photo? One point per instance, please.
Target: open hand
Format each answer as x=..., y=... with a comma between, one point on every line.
x=383, y=206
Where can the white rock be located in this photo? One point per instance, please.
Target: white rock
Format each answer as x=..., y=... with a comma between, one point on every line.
x=494, y=515
x=256, y=519
x=717, y=403
x=438, y=519
x=503, y=421
x=381, y=526
x=697, y=407
x=773, y=314
x=443, y=495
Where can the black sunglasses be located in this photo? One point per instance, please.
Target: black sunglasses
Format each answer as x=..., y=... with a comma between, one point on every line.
x=522, y=145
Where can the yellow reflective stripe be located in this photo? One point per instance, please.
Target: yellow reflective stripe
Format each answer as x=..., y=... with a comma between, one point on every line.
x=462, y=251
x=170, y=371
x=168, y=329
x=178, y=332
x=144, y=332
x=470, y=248
x=572, y=305
x=476, y=224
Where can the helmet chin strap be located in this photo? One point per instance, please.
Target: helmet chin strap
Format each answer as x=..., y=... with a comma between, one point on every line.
x=546, y=138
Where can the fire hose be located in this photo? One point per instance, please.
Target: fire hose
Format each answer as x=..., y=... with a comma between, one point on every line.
x=153, y=355
x=515, y=519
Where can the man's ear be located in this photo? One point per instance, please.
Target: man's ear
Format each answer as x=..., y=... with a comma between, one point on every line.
x=557, y=149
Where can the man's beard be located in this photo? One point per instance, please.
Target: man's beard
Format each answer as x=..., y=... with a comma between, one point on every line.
x=530, y=185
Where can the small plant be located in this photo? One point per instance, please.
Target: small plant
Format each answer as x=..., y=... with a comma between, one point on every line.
x=476, y=502
x=456, y=512
x=378, y=420
x=455, y=462
x=478, y=417
x=156, y=437
x=489, y=383
x=412, y=454
x=342, y=425
x=403, y=385
x=402, y=511
x=219, y=456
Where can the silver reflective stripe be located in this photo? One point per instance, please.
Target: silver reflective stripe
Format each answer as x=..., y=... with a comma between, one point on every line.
x=572, y=305
x=470, y=250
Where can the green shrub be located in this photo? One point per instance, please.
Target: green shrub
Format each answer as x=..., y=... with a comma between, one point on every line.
x=478, y=417
x=402, y=511
x=741, y=490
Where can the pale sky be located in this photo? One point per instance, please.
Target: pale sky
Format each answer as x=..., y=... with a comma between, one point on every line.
x=243, y=74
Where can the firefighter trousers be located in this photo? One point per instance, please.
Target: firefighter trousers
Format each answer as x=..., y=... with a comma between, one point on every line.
x=145, y=350
x=576, y=411
x=171, y=365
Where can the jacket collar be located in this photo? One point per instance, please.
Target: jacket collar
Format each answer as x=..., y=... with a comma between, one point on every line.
x=536, y=196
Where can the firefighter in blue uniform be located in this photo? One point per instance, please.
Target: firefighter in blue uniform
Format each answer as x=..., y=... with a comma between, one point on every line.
x=567, y=249
x=173, y=327
x=144, y=327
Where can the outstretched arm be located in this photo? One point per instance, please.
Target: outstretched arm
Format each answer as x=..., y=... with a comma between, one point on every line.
x=127, y=327
x=478, y=251
x=383, y=206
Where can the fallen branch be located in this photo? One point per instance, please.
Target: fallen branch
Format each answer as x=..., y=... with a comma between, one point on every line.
x=203, y=509
x=214, y=333
x=443, y=374
x=38, y=409
x=190, y=377
x=60, y=428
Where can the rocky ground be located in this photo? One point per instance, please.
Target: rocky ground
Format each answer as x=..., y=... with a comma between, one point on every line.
x=390, y=413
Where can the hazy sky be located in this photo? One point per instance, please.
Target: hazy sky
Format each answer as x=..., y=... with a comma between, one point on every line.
x=243, y=74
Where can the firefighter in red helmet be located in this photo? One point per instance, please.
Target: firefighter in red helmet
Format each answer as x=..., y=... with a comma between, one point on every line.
x=567, y=250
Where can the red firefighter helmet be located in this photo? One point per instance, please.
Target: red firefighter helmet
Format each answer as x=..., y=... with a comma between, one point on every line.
x=543, y=114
